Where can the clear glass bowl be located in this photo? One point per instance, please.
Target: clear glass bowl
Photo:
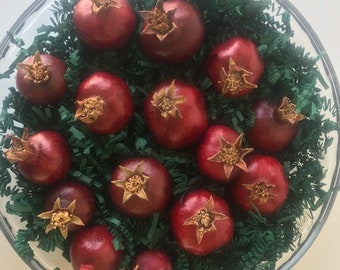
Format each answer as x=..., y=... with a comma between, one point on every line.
x=39, y=13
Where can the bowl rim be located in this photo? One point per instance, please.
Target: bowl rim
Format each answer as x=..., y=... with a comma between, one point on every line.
x=335, y=87
x=335, y=184
x=19, y=24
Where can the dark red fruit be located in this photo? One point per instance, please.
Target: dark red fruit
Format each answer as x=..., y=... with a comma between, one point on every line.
x=175, y=113
x=104, y=103
x=201, y=222
x=104, y=24
x=92, y=249
x=275, y=125
x=220, y=153
x=69, y=206
x=43, y=158
x=172, y=32
x=40, y=79
x=140, y=187
x=264, y=187
x=152, y=260
x=235, y=67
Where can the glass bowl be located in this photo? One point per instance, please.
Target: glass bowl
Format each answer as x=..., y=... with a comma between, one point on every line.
x=39, y=13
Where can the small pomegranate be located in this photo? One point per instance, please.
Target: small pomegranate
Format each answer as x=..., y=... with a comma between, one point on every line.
x=69, y=206
x=43, y=158
x=140, y=186
x=275, y=125
x=104, y=103
x=40, y=79
x=235, y=67
x=201, y=222
x=172, y=32
x=152, y=260
x=92, y=249
x=175, y=113
x=104, y=24
x=220, y=153
x=263, y=188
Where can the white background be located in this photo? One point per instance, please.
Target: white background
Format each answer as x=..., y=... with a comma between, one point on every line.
x=323, y=15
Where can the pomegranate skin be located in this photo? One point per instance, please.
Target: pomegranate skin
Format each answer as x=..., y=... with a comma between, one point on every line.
x=270, y=133
x=153, y=260
x=158, y=188
x=50, y=161
x=117, y=97
x=186, y=234
x=245, y=55
x=209, y=145
x=268, y=173
x=68, y=191
x=183, y=41
x=47, y=92
x=177, y=133
x=108, y=29
x=92, y=248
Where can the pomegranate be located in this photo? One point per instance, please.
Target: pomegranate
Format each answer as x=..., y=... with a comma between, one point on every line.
x=172, y=32
x=104, y=24
x=104, y=103
x=264, y=187
x=40, y=79
x=43, y=158
x=220, y=153
x=175, y=113
x=275, y=125
x=152, y=260
x=235, y=67
x=92, y=249
x=140, y=186
x=201, y=222
x=69, y=206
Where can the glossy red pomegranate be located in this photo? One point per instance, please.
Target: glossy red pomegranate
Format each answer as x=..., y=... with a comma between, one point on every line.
x=140, y=186
x=104, y=24
x=275, y=125
x=263, y=188
x=40, y=79
x=104, y=103
x=220, y=154
x=172, y=32
x=92, y=249
x=175, y=113
x=69, y=206
x=235, y=67
x=152, y=260
x=43, y=158
x=201, y=222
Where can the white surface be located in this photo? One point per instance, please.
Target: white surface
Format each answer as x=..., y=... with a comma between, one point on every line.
x=324, y=17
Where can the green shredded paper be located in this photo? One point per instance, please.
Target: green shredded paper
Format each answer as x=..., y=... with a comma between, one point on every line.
x=259, y=241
